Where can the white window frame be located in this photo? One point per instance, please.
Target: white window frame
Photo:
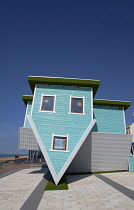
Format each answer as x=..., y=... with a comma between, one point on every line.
x=42, y=96
x=56, y=150
x=83, y=97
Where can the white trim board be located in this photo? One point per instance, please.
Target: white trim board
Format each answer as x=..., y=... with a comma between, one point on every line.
x=37, y=136
x=76, y=149
x=124, y=121
x=92, y=104
x=33, y=100
x=51, y=168
x=25, y=115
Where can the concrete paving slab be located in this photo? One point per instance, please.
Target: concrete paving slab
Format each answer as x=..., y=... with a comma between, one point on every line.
x=91, y=192
x=34, y=199
x=85, y=192
x=124, y=190
x=17, y=187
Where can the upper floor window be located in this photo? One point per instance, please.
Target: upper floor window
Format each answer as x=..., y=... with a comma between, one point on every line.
x=48, y=103
x=77, y=105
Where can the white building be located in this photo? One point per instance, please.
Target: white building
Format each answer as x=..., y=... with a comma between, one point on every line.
x=130, y=130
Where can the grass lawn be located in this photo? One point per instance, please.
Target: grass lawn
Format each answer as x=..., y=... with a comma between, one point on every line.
x=62, y=185
x=97, y=172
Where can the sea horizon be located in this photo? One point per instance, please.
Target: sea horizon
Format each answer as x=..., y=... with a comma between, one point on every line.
x=10, y=155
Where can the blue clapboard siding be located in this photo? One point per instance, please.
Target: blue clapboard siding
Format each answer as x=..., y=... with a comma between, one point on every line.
x=109, y=119
x=131, y=164
x=61, y=122
x=28, y=111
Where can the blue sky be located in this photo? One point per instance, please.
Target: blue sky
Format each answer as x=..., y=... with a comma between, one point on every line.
x=79, y=39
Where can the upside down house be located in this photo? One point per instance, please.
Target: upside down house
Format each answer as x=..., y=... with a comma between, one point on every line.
x=75, y=132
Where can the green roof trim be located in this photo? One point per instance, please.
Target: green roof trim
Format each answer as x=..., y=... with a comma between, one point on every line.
x=102, y=102
x=63, y=81
x=26, y=99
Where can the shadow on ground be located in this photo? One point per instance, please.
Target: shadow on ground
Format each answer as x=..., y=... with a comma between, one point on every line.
x=40, y=171
x=75, y=178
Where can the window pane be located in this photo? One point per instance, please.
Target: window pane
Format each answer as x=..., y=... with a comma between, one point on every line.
x=48, y=102
x=77, y=105
x=59, y=143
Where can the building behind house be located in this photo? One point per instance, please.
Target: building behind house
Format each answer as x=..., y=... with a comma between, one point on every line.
x=130, y=130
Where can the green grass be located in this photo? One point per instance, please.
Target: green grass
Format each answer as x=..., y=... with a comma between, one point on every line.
x=97, y=172
x=62, y=185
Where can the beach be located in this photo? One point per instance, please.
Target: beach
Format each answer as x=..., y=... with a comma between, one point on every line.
x=13, y=158
x=7, y=164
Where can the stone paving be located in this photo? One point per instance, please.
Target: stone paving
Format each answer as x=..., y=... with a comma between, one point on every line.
x=88, y=192
x=85, y=192
x=126, y=179
x=17, y=187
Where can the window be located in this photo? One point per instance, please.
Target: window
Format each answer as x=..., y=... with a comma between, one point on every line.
x=48, y=103
x=59, y=143
x=77, y=105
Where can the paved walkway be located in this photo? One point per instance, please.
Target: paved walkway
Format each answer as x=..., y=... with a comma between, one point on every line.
x=105, y=191
x=17, y=187
x=90, y=192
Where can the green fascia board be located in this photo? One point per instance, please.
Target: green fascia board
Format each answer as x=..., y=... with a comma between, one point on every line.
x=33, y=80
x=26, y=99
x=100, y=102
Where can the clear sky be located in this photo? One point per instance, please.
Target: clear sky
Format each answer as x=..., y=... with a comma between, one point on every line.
x=63, y=38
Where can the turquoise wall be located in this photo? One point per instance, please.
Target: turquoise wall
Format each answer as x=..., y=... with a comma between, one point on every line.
x=109, y=119
x=131, y=164
x=61, y=123
x=28, y=111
